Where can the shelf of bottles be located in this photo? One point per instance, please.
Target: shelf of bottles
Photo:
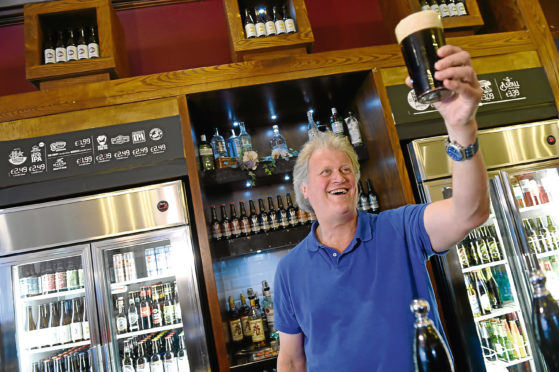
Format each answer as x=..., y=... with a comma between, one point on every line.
x=71, y=44
x=266, y=21
x=455, y=14
x=492, y=296
x=51, y=313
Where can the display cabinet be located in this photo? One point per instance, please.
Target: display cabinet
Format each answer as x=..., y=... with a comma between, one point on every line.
x=100, y=24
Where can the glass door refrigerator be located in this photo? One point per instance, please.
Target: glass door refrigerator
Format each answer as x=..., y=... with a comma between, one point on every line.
x=483, y=281
x=101, y=283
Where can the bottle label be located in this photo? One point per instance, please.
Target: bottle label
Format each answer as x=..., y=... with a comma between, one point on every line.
x=55, y=335
x=121, y=324
x=72, y=279
x=255, y=224
x=293, y=218
x=257, y=329
x=260, y=29
x=426, y=7
x=338, y=128
x=284, y=220
x=246, y=326
x=485, y=302
x=216, y=231
x=270, y=28
x=133, y=320
x=178, y=312
x=474, y=304
x=301, y=216
x=23, y=287
x=280, y=27
x=226, y=230
x=143, y=367
x=235, y=228
x=85, y=330
x=206, y=151
x=250, y=30
x=453, y=9
x=170, y=365
x=269, y=315
x=127, y=368
x=245, y=226
x=50, y=56
x=156, y=366
x=169, y=314
x=65, y=334
x=290, y=25
x=373, y=201
x=76, y=329
x=444, y=10
x=436, y=9
x=236, y=329
x=33, y=285
x=461, y=9
x=83, y=52
x=93, y=49
x=183, y=364
x=145, y=311
x=156, y=316
x=61, y=280
x=60, y=55
x=354, y=134
x=71, y=53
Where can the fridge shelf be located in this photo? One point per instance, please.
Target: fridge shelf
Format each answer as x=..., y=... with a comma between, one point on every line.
x=151, y=330
x=54, y=295
x=536, y=208
x=502, y=364
x=494, y=314
x=121, y=287
x=548, y=254
x=479, y=267
x=59, y=347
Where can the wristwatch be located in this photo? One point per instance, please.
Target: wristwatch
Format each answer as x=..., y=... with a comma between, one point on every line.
x=458, y=152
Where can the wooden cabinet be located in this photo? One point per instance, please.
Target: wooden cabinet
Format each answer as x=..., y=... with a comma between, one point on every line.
x=41, y=19
x=243, y=48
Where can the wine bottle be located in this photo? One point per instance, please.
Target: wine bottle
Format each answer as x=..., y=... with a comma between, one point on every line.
x=43, y=331
x=168, y=306
x=235, y=223
x=424, y=5
x=553, y=232
x=462, y=11
x=472, y=296
x=494, y=294
x=60, y=49
x=430, y=352
x=54, y=323
x=30, y=329
x=76, y=325
x=452, y=8
x=71, y=47
x=225, y=224
x=65, y=331
x=278, y=20
x=363, y=199
x=288, y=20
x=443, y=6
x=93, y=43
x=243, y=220
x=156, y=308
x=206, y=154
x=545, y=317
x=260, y=24
x=215, y=224
x=85, y=322
x=250, y=28
x=482, y=294
x=49, y=53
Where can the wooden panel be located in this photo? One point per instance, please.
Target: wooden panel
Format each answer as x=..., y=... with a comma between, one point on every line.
x=482, y=65
x=85, y=119
x=49, y=84
x=501, y=15
x=551, y=11
x=202, y=232
x=175, y=83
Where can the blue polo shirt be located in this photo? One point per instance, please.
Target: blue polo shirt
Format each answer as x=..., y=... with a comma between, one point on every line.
x=354, y=308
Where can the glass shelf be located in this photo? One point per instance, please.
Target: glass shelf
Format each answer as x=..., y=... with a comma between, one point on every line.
x=496, y=313
x=150, y=330
x=479, y=267
x=121, y=287
x=59, y=347
x=54, y=295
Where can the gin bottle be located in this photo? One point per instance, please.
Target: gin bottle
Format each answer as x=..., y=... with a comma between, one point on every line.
x=234, y=145
x=278, y=142
x=218, y=145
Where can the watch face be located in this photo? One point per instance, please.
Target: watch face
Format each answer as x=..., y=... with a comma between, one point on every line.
x=454, y=152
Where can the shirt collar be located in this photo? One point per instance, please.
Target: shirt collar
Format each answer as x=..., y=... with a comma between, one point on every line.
x=364, y=232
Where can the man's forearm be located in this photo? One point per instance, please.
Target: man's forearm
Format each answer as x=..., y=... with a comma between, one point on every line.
x=286, y=364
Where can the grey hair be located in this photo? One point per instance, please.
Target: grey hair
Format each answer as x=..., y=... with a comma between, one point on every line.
x=301, y=169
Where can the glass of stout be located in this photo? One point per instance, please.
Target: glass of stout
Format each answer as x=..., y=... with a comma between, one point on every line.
x=420, y=35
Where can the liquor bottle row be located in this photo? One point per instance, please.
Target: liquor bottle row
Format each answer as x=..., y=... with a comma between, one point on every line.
x=541, y=238
x=158, y=262
x=253, y=325
x=151, y=307
x=445, y=8
x=481, y=246
x=504, y=339
x=53, y=276
x=533, y=189
x=368, y=201
x=156, y=352
x=71, y=360
x=488, y=290
x=268, y=23
x=350, y=130
x=257, y=222
x=58, y=323
x=550, y=268
x=71, y=45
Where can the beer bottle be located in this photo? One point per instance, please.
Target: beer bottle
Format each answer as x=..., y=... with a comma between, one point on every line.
x=486, y=344
x=127, y=362
x=263, y=217
x=71, y=47
x=235, y=223
x=121, y=321
x=270, y=24
x=30, y=328
x=155, y=361
x=156, y=308
x=225, y=224
x=291, y=212
x=83, y=53
x=71, y=275
x=430, y=352
x=545, y=317
x=452, y=8
x=76, y=325
x=168, y=306
x=250, y=28
x=145, y=309
x=142, y=362
x=182, y=356
x=85, y=322
x=206, y=154
x=282, y=214
x=424, y=5
x=60, y=49
x=60, y=277
x=169, y=360
x=256, y=326
x=215, y=225
x=65, y=331
x=553, y=232
x=272, y=215
x=363, y=199
x=244, y=221
x=288, y=20
x=461, y=8
x=254, y=221
x=54, y=323
x=93, y=43
x=482, y=294
x=372, y=197
x=235, y=324
x=278, y=20
x=177, y=304
x=493, y=234
x=43, y=331
x=48, y=50
x=259, y=25
x=133, y=316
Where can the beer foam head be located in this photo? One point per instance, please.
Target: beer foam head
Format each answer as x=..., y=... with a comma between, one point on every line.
x=417, y=21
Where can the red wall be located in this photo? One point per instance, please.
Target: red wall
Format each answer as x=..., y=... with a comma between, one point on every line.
x=187, y=35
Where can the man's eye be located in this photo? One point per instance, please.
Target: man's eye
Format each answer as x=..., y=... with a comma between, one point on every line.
x=325, y=172
x=347, y=170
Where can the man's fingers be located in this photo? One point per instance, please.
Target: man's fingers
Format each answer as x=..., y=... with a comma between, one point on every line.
x=462, y=73
x=409, y=82
x=461, y=58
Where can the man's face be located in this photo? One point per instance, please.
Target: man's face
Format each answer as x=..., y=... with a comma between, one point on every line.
x=331, y=187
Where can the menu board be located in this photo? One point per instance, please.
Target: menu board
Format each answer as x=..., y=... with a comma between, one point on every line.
x=90, y=151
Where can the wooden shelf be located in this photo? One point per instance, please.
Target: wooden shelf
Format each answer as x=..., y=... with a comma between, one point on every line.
x=243, y=49
x=40, y=18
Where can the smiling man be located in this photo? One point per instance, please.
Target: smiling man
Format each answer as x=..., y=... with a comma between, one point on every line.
x=342, y=295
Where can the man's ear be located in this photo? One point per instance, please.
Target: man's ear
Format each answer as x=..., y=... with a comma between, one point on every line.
x=303, y=189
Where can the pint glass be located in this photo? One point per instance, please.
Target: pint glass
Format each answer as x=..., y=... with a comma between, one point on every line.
x=420, y=35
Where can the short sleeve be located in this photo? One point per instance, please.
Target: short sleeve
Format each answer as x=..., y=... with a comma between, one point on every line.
x=284, y=314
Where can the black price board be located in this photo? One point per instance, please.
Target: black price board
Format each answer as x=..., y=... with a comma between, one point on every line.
x=90, y=151
x=508, y=97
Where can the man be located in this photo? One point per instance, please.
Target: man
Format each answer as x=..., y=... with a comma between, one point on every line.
x=342, y=295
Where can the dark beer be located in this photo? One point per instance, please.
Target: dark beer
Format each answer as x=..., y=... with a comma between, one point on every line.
x=420, y=35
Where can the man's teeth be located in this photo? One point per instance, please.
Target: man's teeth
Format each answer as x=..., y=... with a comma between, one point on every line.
x=338, y=192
